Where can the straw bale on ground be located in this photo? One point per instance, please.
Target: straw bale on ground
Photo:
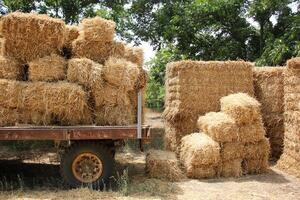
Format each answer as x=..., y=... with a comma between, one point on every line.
x=49, y=68
x=231, y=151
x=241, y=107
x=256, y=166
x=120, y=72
x=257, y=150
x=10, y=69
x=291, y=155
x=163, y=165
x=46, y=103
x=72, y=33
x=268, y=86
x=28, y=36
x=135, y=55
x=98, y=29
x=199, y=155
x=231, y=168
x=253, y=132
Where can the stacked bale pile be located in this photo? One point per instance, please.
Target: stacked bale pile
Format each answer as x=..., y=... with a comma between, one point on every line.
x=210, y=81
x=290, y=158
x=268, y=87
x=232, y=141
x=46, y=87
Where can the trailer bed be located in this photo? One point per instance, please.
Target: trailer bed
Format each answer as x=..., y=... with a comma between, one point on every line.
x=73, y=132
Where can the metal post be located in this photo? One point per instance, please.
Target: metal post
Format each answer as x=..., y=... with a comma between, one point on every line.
x=139, y=115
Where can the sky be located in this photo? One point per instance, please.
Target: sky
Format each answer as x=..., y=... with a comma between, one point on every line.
x=149, y=53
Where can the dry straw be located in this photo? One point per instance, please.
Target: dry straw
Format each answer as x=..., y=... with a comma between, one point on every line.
x=291, y=156
x=231, y=168
x=10, y=69
x=28, y=36
x=199, y=155
x=194, y=88
x=163, y=165
x=269, y=90
x=72, y=33
x=241, y=107
x=49, y=68
x=135, y=55
x=52, y=103
x=120, y=72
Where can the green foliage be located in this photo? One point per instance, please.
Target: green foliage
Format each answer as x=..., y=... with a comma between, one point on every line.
x=155, y=92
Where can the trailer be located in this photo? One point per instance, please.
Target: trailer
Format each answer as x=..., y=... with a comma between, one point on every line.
x=87, y=157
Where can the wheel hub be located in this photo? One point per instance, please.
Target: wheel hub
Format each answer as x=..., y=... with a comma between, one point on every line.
x=87, y=167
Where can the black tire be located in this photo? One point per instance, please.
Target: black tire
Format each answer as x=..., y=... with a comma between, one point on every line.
x=99, y=150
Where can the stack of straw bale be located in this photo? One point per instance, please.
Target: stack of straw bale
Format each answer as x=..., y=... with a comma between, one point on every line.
x=290, y=158
x=268, y=86
x=163, y=165
x=42, y=84
x=234, y=138
x=195, y=87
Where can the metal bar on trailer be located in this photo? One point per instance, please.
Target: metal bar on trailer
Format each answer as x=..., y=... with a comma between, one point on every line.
x=139, y=115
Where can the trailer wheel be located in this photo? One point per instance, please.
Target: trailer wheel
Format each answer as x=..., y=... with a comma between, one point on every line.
x=87, y=164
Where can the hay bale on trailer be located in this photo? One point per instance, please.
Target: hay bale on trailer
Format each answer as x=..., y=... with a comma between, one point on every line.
x=49, y=68
x=194, y=88
x=72, y=33
x=268, y=86
x=10, y=69
x=46, y=103
x=163, y=165
x=290, y=158
x=28, y=36
x=200, y=155
x=135, y=55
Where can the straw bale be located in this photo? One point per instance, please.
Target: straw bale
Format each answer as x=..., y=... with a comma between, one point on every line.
x=252, y=132
x=231, y=168
x=200, y=172
x=44, y=103
x=98, y=29
x=199, y=149
x=119, y=114
x=28, y=36
x=8, y=116
x=289, y=165
x=210, y=80
x=121, y=72
x=98, y=51
x=231, y=151
x=135, y=55
x=72, y=33
x=10, y=94
x=241, y=107
x=163, y=165
x=10, y=69
x=257, y=150
x=49, y=68
x=219, y=126
x=86, y=73
x=294, y=63
x=256, y=165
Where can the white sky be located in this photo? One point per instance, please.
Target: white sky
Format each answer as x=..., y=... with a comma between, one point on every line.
x=149, y=53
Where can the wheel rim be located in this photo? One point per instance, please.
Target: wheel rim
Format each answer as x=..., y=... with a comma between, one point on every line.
x=87, y=167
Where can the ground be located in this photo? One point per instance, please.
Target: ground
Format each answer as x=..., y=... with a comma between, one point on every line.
x=36, y=177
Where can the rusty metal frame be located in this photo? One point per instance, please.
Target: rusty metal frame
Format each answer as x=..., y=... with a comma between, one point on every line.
x=66, y=133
